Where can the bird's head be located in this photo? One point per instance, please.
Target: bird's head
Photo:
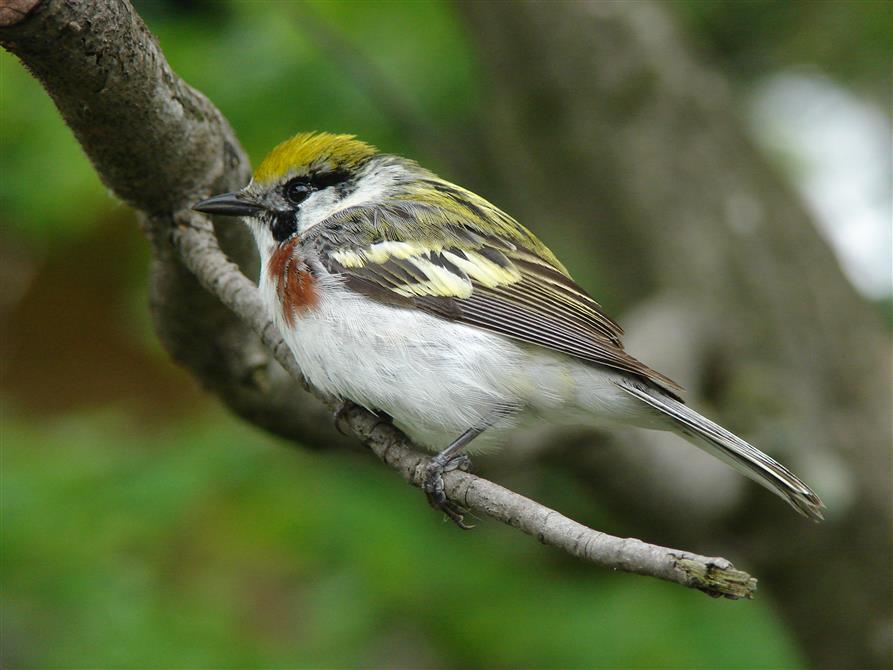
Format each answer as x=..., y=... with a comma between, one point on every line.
x=300, y=183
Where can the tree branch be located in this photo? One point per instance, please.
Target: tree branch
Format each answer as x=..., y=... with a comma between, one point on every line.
x=160, y=145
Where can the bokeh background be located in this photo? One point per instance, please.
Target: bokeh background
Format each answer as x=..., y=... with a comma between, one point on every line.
x=144, y=526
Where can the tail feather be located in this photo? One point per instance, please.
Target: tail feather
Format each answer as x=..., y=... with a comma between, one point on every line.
x=731, y=449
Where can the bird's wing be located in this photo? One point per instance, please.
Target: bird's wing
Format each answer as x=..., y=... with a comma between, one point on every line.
x=505, y=282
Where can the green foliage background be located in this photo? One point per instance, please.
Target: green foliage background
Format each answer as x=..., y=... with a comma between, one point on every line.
x=144, y=527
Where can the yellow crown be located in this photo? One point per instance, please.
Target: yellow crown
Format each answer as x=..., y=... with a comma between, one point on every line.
x=321, y=150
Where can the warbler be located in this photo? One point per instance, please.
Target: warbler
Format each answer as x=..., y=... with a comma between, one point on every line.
x=414, y=297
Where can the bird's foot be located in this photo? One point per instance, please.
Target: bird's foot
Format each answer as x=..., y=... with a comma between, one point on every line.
x=434, y=489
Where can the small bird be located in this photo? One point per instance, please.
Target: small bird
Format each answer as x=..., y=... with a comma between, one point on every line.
x=414, y=297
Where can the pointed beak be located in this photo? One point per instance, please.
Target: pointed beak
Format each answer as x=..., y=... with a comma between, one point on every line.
x=228, y=204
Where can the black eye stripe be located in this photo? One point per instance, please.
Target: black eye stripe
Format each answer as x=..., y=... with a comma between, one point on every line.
x=327, y=179
x=298, y=189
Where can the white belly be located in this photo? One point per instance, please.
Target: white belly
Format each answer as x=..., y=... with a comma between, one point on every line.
x=433, y=377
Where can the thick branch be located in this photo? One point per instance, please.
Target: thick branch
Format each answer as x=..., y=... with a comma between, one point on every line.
x=160, y=145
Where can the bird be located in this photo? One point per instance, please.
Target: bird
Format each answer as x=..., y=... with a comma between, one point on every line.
x=420, y=300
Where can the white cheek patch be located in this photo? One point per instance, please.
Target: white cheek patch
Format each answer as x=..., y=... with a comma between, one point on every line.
x=373, y=184
x=316, y=208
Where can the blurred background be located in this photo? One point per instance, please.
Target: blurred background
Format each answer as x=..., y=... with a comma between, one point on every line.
x=718, y=174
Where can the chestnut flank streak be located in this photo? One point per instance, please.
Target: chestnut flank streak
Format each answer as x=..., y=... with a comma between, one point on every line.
x=295, y=286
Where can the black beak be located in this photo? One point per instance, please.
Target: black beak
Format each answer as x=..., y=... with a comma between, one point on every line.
x=228, y=204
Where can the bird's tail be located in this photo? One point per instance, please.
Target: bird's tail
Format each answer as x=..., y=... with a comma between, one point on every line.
x=748, y=460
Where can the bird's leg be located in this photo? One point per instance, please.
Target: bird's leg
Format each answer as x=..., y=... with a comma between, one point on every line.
x=447, y=460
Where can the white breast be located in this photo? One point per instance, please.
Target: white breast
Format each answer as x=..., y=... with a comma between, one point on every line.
x=435, y=378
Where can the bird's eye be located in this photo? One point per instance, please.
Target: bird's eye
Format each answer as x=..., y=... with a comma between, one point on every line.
x=297, y=190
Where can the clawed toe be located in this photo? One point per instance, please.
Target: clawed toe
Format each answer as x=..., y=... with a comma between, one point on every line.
x=433, y=487
x=461, y=462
